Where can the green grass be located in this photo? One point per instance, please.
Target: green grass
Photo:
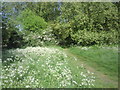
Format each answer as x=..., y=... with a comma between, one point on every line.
x=43, y=67
x=104, y=60
x=55, y=67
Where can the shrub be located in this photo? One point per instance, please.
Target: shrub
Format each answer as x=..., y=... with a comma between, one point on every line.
x=83, y=37
x=31, y=22
x=39, y=39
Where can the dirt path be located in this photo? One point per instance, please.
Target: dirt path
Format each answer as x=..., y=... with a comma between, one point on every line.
x=99, y=75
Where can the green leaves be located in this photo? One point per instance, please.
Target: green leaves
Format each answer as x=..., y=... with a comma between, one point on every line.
x=72, y=23
x=89, y=23
x=31, y=21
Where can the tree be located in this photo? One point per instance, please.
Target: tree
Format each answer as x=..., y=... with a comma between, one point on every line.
x=10, y=32
x=47, y=10
x=89, y=23
x=31, y=22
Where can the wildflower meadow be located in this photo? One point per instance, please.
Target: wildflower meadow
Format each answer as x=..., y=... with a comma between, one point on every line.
x=43, y=67
x=59, y=44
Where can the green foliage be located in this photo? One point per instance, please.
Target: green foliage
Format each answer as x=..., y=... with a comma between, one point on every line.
x=84, y=37
x=37, y=39
x=71, y=23
x=10, y=35
x=87, y=24
x=15, y=40
x=48, y=10
x=31, y=21
x=62, y=33
x=103, y=16
x=33, y=28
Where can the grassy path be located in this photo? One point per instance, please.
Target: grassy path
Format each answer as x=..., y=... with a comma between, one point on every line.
x=102, y=80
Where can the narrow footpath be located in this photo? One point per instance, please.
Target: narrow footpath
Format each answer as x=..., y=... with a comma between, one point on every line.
x=102, y=80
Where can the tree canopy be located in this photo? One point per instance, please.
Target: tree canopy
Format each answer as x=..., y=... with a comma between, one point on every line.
x=83, y=23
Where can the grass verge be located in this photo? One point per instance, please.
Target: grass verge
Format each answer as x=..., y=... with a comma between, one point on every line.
x=102, y=59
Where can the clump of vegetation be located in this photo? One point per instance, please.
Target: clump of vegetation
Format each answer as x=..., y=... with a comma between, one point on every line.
x=31, y=22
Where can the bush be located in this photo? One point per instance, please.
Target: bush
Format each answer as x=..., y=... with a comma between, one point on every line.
x=68, y=36
x=31, y=22
x=62, y=33
x=84, y=37
x=39, y=39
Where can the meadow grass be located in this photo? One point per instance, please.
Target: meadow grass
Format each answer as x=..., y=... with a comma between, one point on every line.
x=55, y=67
x=43, y=67
x=103, y=59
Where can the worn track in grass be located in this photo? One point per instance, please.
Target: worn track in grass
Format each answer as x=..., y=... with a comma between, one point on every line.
x=102, y=80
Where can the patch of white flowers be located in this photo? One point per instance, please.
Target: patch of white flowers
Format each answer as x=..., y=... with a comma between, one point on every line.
x=42, y=67
x=85, y=48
